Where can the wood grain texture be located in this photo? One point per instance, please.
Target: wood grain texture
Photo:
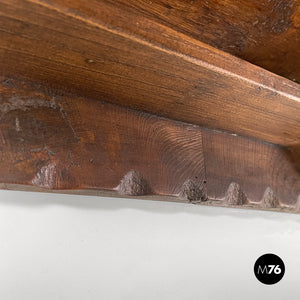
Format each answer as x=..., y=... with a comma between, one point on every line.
x=115, y=52
x=70, y=142
x=265, y=33
x=252, y=164
x=60, y=141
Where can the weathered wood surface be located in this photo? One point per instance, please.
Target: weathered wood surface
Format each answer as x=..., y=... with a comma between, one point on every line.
x=61, y=141
x=155, y=57
x=263, y=32
x=120, y=53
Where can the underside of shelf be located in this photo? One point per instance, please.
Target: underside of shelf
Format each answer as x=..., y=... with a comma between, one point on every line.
x=115, y=98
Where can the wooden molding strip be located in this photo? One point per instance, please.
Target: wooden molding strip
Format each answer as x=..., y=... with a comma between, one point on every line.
x=107, y=52
x=106, y=97
x=51, y=141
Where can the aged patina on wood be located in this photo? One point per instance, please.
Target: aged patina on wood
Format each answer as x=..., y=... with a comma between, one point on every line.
x=195, y=123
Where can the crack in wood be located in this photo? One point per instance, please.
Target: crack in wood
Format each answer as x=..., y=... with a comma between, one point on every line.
x=68, y=122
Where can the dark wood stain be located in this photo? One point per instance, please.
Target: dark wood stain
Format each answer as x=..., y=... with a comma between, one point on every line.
x=262, y=32
x=139, y=98
x=99, y=143
x=142, y=64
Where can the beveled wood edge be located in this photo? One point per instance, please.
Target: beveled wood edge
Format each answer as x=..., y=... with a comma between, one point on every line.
x=165, y=40
x=174, y=42
x=265, y=88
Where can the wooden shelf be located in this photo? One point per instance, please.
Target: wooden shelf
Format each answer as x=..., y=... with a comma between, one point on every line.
x=92, y=91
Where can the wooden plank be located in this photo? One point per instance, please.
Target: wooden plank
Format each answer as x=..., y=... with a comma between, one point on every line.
x=118, y=55
x=58, y=141
x=254, y=165
x=265, y=33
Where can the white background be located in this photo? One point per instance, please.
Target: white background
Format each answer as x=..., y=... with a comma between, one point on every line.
x=77, y=247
